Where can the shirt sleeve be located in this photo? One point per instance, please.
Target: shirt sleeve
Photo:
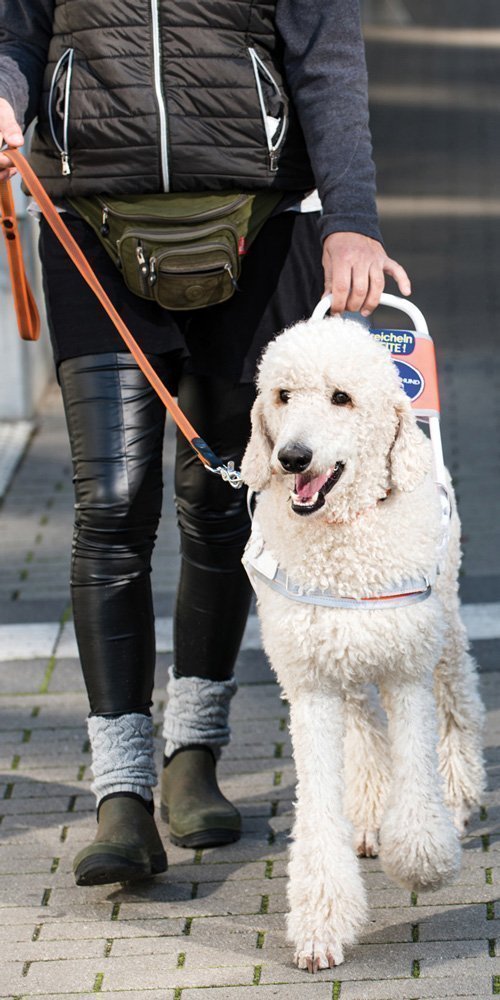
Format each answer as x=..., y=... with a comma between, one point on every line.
x=325, y=69
x=25, y=33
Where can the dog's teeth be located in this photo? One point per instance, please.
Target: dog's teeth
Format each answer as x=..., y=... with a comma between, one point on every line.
x=305, y=503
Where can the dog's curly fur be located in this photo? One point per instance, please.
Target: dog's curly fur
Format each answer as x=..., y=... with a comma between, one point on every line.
x=407, y=786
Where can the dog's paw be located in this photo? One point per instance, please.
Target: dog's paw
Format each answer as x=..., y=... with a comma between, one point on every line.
x=461, y=817
x=420, y=858
x=366, y=843
x=315, y=955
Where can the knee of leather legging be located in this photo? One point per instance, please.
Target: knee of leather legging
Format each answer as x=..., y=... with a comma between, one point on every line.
x=114, y=534
x=115, y=422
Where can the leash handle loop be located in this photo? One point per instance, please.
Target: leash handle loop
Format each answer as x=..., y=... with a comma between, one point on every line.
x=28, y=318
x=204, y=453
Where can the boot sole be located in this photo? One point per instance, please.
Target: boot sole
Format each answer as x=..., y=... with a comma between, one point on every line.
x=104, y=869
x=216, y=837
x=206, y=838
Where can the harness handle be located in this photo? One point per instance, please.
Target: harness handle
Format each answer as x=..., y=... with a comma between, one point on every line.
x=404, y=305
x=420, y=323
x=25, y=302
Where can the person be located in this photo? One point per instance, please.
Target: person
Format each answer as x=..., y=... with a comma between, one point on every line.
x=170, y=97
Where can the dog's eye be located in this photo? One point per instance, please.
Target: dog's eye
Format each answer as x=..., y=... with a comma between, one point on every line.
x=284, y=396
x=340, y=398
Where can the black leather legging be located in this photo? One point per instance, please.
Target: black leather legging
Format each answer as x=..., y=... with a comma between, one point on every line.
x=116, y=425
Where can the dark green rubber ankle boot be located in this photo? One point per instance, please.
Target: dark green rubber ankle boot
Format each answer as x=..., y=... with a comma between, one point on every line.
x=192, y=803
x=127, y=844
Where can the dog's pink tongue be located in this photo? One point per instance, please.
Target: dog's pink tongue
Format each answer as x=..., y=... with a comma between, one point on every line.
x=306, y=488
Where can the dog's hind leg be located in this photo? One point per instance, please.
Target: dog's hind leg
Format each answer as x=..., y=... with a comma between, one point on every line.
x=461, y=714
x=325, y=890
x=419, y=844
x=367, y=771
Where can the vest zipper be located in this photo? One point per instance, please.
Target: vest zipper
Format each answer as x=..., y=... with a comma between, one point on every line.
x=68, y=57
x=273, y=143
x=160, y=99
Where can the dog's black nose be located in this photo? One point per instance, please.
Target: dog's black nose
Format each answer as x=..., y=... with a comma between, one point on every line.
x=295, y=457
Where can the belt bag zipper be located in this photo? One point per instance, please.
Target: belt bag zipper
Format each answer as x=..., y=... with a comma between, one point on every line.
x=156, y=261
x=212, y=213
x=176, y=235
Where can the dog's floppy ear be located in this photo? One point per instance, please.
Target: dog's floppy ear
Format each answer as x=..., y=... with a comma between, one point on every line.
x=255, y=467
x=410, y=457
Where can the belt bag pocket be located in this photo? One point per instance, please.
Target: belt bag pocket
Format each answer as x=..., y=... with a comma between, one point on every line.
x=182, y=251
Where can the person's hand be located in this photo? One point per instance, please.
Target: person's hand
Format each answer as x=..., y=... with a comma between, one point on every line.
x=11, y=133
x=355, y=267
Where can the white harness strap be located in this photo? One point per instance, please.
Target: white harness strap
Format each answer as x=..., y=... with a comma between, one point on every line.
x=260, y=564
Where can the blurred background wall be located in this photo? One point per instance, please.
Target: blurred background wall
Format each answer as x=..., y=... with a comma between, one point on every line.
x=25, y=368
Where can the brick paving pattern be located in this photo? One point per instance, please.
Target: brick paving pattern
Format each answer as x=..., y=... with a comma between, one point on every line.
x=212, y=928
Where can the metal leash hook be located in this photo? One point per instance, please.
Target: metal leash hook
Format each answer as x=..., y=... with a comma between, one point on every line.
x=228, y=474
x=212, y=463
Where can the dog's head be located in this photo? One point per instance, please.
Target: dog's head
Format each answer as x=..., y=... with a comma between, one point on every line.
x=331, y=423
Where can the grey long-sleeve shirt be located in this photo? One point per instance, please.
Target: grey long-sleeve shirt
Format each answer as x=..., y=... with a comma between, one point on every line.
x=325, y=70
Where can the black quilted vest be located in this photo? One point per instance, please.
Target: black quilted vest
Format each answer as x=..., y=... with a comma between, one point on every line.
x=166, y=95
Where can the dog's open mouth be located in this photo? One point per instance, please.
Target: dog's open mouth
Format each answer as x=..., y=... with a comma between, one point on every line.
x=309, y=492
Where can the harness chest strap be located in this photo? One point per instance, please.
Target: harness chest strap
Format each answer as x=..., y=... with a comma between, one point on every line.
x=262, y=565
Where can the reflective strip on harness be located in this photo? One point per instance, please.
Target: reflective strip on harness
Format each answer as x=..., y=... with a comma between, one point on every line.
x=264, y=566
x=324, y=599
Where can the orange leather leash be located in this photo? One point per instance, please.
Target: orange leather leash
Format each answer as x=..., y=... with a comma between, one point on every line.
x=23, y=295
x=28, y=319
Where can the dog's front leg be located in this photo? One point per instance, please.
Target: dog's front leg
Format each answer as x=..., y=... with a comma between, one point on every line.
x=367, y=772
x=325, y=891
x=419, y=844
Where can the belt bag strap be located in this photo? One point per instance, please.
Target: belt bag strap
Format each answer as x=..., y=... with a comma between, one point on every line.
x=205, y=454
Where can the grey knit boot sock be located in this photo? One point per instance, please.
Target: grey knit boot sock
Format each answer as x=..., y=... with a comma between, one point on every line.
x=122, y=755
x=197, y=712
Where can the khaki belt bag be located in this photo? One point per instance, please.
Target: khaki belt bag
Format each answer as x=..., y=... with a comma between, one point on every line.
x=182, y=251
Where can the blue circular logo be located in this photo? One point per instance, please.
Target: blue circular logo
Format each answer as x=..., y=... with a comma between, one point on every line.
x=413, y=381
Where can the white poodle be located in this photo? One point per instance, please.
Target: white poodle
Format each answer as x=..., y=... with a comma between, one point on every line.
x=348, y=508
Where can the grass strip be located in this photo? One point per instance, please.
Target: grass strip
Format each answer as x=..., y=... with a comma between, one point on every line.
x=98, y=982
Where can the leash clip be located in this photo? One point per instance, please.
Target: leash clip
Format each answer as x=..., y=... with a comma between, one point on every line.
x=228, y=473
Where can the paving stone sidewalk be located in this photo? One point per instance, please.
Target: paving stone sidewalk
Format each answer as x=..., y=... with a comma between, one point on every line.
x=214, y=925
x=212, y=928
